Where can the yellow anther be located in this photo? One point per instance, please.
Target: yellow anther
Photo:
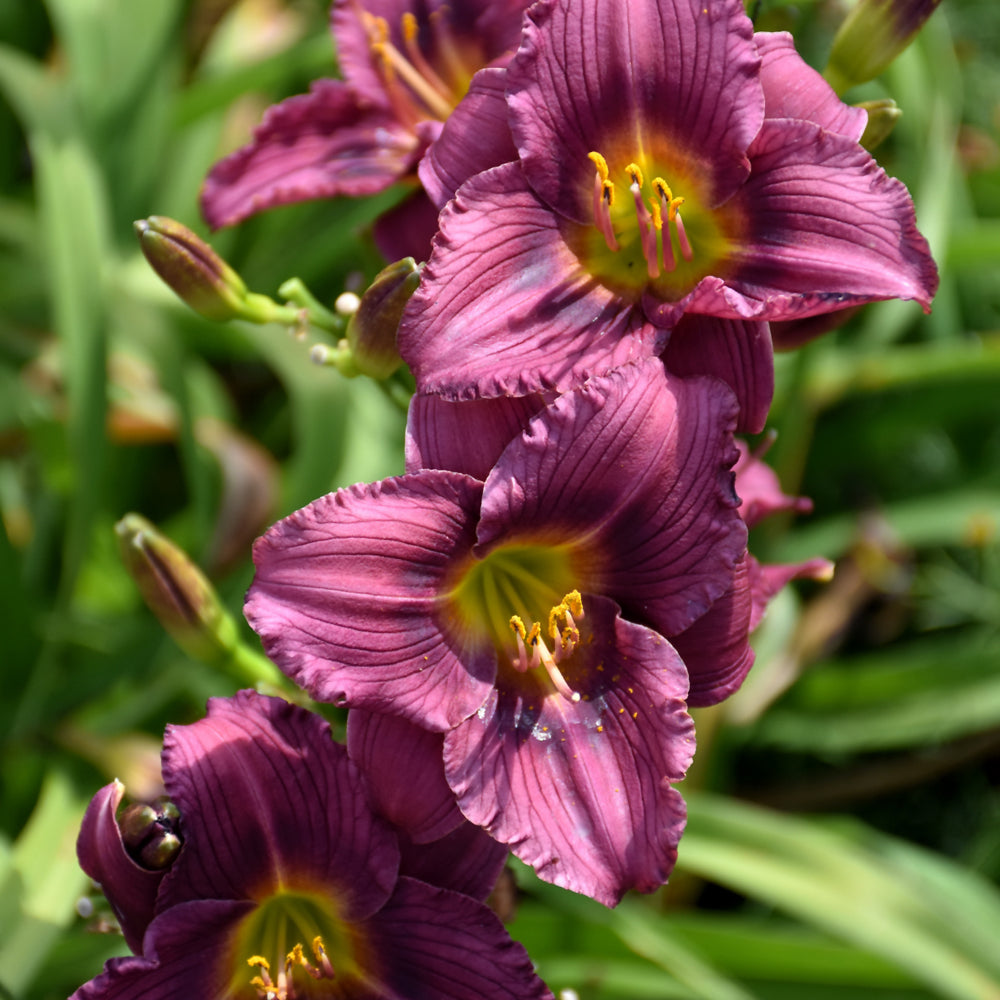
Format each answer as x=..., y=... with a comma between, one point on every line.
x=654, y=210
x=574, y=602
x=533, y=635
x=662, y=188
x=410, y=26
x=600, y=163
x=675, y=203
x=295, y=956
x=635, y=173
x=608, y=192
x=319, y=949
x=516, y=625
x=259, y=962
x=380, y=30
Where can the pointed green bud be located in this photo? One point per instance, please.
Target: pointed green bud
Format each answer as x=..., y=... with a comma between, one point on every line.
x=177, y=592
x=882, y=117
x=200, y=277
x=371, y=330
x=871, y=37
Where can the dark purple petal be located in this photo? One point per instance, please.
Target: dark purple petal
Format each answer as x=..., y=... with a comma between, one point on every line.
x=188, y=953
x=432, y=944
x=504, y=306
x=407, y=229
x=766, y=581
x=793, y=333
x=828, y=229
x=474, y=138
x=317, y=145
x=617, y=76
x=716, y=648
x=405, y=774
x=636, y=465
x=268, y=801
x=759, y=490
x=793, y=89
x=130, y=889
x=467, y=860
x=737, y=351
x=580, y=790
x=347, y=598
x=465, y=436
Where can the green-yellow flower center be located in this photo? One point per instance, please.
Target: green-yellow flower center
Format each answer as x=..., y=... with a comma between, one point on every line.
x=290, y=945
x=523, y=599
x=647, y=234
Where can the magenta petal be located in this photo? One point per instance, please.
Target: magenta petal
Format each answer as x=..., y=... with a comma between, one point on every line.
x=793, y=89
x=130, y=889
x=737, y=351
x=432, y=944
x=188, y=955
x=637, y=463
x=402, y=763
x=467, y=860
x=317, y=145
x=759, y=490
x=716, y=648
x=580, y=790
x=828, y=228
x=347, y=598
x=268, y=800
x=766, y=581
x=474, y=138
x=466, y=436
x=504, y=306
x=592, y=73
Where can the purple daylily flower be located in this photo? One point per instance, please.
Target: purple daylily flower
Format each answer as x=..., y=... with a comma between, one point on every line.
x=406, y=65
x=526, y=614
x=671, y=164
x=289, y=884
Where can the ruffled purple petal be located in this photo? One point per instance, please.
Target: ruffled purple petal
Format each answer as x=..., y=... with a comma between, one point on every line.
x=466, y=436
x=467, y=860
x=617, y=76
x=580, y=790
x=268, y=801
x=347, y=598
x=737, y=351
x=636, y=466
x=828, y=229
x=504, y=306
x=793, y=89
x=402, y=764
x=474, y=138
x=317, y=145
x=129, y=888
x=432, y=944
x=759, y=489
x=716, y=648
x=187, y=955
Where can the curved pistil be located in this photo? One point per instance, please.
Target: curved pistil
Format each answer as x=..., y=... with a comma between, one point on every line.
x=663, y=208
x=565, y=635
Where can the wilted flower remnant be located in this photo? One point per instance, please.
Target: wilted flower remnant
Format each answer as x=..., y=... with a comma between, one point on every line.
x=289, y=884
x=671, y=164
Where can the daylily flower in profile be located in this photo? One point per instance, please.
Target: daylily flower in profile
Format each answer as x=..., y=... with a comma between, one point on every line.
x=406, y=65
x=290, y=885
x=676, y=172
x=527, y=616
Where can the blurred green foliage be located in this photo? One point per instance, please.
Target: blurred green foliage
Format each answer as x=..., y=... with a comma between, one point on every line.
x=869, y=733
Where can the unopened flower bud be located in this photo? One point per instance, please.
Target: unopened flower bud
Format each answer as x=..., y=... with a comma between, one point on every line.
x=871, y=37
x=199, y=276
x=371, y=330
x=177, y=592
x=882, y=117
x=149, y=833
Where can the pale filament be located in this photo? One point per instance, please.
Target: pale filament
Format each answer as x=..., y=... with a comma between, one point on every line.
x=564, y=641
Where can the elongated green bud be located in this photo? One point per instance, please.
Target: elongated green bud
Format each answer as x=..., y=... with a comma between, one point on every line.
x=176, y=591
x=371, y=330
x=200, y=277
x=871, y=37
